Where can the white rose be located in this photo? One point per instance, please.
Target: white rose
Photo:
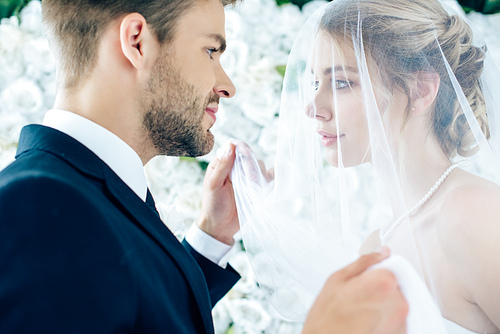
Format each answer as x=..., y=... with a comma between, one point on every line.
x=285, y=327
x=261, y=105
x=258, y=12
x=233, y=125
x=6, y=155
x=235, y=59
x=268, y=136
x=10, y=68
x=10, y=34
x=38, y=58
x=248, y=315
x=172, y=218
x=31, y=18
x=309, y=8
x=234, y=24
x=22, y=96
x=188, y=200
x=221, y=317
x=10, y=127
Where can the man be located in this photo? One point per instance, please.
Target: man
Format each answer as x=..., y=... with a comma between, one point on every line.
x=82, y=247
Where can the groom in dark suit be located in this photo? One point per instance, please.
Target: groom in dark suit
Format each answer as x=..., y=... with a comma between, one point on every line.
x=82, y=247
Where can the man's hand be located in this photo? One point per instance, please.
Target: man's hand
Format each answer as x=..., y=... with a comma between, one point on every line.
x=218, y=217
x=355, y=301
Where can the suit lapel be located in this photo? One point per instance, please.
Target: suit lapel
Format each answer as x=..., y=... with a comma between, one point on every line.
x=149, y=220
x=43, y=138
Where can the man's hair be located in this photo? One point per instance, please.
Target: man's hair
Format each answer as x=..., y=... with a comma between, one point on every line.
x=75, y=28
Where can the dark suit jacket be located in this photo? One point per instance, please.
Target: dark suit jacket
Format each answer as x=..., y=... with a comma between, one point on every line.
x=80, y=252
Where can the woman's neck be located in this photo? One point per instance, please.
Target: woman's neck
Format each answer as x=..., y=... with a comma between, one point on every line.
x=423, y=164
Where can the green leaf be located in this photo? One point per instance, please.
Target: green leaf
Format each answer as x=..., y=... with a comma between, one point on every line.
x=203, y=164
x=491, y=7
x=282, y=2
x=11, y=7
x=281, y=69
x=481, y=6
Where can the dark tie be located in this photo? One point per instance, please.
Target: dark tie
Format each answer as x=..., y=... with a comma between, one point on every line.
x=151, y=202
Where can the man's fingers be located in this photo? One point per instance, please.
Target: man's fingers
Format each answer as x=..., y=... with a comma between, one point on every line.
x=361, y=264
x=220, y=167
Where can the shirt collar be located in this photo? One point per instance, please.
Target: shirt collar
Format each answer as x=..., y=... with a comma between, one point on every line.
x=120, y=157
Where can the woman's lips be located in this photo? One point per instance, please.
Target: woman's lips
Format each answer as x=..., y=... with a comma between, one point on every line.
x=328, y=139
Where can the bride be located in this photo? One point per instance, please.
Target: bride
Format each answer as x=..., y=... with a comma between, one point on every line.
x=399, y=98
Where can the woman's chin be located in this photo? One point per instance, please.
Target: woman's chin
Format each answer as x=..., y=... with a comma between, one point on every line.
x=333, y=160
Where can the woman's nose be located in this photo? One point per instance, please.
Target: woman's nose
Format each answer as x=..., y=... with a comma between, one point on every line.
x=320, y=107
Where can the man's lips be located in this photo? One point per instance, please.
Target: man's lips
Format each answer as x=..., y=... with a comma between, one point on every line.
x=328, y=139
x=212, y=111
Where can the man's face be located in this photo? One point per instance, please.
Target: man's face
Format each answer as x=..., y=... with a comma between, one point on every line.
x=184, y=89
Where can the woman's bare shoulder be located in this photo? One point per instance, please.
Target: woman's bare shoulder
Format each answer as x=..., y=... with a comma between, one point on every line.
x=469, y=214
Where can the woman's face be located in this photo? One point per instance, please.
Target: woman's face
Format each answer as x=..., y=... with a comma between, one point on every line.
x=338, y=105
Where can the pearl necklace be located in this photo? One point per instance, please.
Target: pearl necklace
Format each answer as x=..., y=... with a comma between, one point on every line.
x=388, y=233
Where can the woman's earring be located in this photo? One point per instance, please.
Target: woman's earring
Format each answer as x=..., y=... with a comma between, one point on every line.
x=413, y=109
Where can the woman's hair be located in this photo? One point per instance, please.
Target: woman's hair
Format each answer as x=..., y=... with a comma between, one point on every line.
x=400, y=38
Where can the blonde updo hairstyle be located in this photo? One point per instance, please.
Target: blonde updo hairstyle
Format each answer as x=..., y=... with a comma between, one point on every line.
x=399, y=36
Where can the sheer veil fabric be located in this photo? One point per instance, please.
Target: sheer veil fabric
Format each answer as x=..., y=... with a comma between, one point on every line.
x=388, y=135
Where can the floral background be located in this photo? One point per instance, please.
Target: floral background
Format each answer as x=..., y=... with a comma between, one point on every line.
x=260, y=34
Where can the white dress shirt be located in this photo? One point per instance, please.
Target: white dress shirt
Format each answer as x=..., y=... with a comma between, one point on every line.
x=127, y=164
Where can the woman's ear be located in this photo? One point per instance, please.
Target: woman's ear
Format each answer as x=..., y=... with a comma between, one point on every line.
x=425, y=91
x=138, y=44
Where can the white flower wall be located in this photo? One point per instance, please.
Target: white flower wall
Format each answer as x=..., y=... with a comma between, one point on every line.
x=260, y=35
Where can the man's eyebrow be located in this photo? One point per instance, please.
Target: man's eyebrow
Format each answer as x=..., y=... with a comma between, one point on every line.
x=221, y=40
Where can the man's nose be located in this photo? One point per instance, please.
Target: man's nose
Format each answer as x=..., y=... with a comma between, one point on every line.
x=223, y=85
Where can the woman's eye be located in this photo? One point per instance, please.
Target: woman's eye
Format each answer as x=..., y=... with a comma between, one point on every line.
x=315, y=84
x=341, y=84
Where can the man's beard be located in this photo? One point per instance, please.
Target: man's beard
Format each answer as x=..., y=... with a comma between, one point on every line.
x=174, y=114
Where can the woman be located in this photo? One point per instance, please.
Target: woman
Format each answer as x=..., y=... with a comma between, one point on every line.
x=400, y=94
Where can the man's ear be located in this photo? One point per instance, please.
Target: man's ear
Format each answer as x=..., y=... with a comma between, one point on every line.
x=139, y=45
x=425, y=91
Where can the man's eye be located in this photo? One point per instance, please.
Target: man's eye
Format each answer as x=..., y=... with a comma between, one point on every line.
x=211, y=52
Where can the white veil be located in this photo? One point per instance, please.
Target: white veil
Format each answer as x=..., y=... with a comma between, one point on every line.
x=388, y=125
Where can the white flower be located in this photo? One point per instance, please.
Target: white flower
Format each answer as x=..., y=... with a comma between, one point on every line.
x=249, y=315
x=6, y=155
x=235, y=58
x=262, y=104
x=268, y=136
x=188, y=201
x=221, y=317
x=31, y=18
x=175, y=220
x=22, y=96
x=258, y=12
x=10, y=127
x=10, y=34
x=284, y=327
x=309, y=8
x=234, y=125
x=234, y=24
x=38, y=58
x=247, y=284
x=10, y=67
